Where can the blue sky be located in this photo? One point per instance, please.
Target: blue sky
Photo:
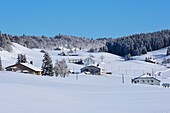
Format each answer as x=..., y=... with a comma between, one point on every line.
x=85, y=18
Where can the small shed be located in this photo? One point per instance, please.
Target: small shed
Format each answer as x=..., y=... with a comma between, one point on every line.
x=92, y=69
x=146, y=79
x=24, y=68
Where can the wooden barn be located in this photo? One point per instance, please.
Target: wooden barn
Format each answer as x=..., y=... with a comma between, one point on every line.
x=24, y=68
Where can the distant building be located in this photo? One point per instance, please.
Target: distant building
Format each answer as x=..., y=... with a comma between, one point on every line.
x=151, y=60
x=92, y=69
x=24, y=68
x=73, y=54
x=146, y=79
x=76, y=61
x=88, y=61
x=166, y=85
x=62, y=54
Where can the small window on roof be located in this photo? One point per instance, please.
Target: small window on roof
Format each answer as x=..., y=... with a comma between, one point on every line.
x=151, y=80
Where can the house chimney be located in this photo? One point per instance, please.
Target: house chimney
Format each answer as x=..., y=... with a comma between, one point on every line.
x=31, y=62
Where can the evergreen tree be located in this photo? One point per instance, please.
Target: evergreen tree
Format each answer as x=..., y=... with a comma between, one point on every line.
x=24, y=59
x=19, y=58
x=127, y=57
x=47, y=66
x=168, y=51
x=1, y=64
x=91, y=50
x=144, y=50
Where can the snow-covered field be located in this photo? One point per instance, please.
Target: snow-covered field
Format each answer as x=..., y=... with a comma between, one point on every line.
x=24, y=93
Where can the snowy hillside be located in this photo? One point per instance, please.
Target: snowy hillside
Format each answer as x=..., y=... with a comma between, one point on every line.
x=24, y=93
x=9, y=58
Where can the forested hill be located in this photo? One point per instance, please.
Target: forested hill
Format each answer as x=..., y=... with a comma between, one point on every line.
x=139, y=43
x=135, y=44
x=44, y=42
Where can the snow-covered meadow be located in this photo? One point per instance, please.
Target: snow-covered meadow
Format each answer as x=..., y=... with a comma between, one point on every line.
x=25, y=93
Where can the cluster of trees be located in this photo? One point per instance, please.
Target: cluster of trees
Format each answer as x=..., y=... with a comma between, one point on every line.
x=60, y=67
x=21, y=58
x=5, y=42
x=139, y=44
x=44, y=42
x=134, y=45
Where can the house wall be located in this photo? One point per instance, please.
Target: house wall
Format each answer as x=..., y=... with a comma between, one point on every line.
x=37, y=73
x=149, y=81
x=74, y=60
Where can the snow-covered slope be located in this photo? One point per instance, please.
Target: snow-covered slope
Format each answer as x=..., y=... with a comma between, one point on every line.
x=158, y=55
x=9, y=58
x=112, y=63
x=24, y=93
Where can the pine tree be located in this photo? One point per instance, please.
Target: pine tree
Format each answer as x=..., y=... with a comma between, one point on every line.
x=24, y=59
x=1, y=64
x=19, y=58
x=127, y=57
x=47, y=66
x=168, y=51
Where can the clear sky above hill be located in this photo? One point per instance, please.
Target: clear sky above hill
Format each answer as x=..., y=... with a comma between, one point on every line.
x=85, y=18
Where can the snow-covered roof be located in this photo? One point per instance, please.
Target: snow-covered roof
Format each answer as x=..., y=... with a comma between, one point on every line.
x=95, y=66
x=31, y=66
x=147, y=75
